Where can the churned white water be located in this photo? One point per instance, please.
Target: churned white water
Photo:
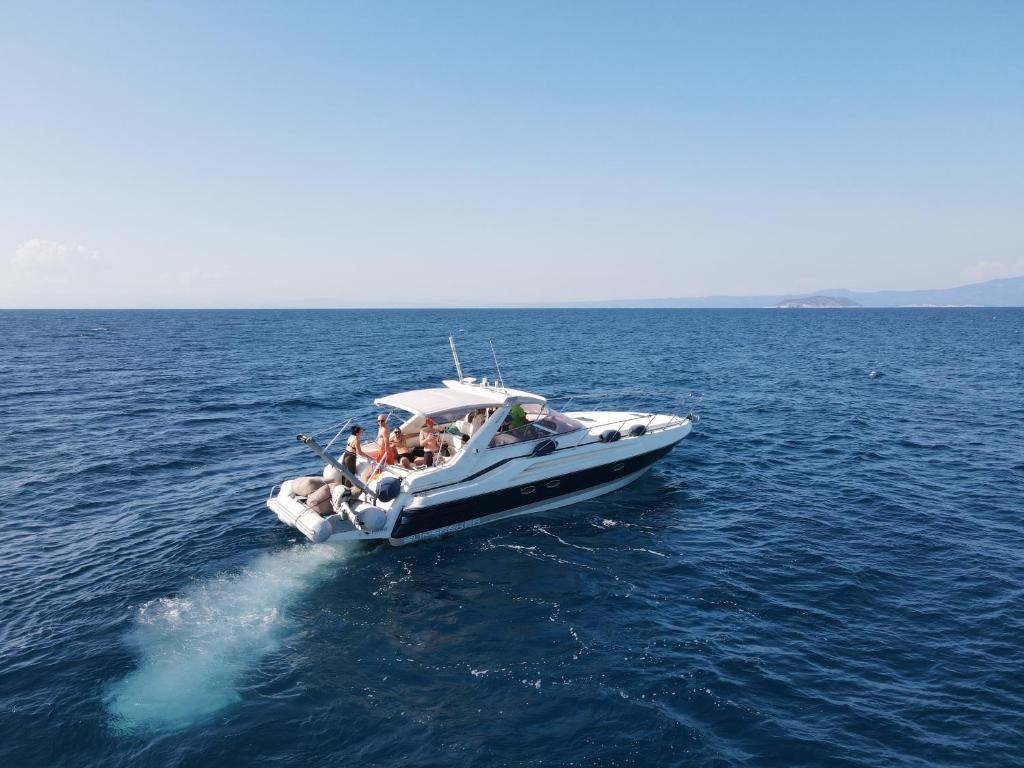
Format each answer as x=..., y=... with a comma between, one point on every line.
x=194, y=649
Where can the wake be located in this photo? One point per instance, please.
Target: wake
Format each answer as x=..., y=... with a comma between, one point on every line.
x=194, y=649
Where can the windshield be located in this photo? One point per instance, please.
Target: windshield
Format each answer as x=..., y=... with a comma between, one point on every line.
x=532, y=422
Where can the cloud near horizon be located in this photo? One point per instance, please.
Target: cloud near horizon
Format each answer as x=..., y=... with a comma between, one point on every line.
x=47, y=253
x=41, y=274
x=44, y=272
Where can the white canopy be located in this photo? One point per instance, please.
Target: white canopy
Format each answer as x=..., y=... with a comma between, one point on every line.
x=440, y=399
x=428, y=401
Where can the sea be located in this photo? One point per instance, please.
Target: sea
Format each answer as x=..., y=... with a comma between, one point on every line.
x=829, y=571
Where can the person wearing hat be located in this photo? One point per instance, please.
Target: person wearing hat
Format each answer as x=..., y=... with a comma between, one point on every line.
x=429, y=442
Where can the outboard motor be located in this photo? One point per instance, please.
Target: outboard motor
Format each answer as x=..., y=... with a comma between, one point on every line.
x=340, y=497
x=365, y=517
x=371, y=519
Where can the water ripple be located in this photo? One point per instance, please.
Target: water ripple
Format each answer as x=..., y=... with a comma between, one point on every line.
x=827, y=572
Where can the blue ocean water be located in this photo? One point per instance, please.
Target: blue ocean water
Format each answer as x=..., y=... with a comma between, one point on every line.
x=829, y=571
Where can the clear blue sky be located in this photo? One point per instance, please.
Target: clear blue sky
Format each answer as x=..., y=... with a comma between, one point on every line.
x=291, y=154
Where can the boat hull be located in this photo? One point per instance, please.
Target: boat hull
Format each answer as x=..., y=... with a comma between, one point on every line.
x=550, y=493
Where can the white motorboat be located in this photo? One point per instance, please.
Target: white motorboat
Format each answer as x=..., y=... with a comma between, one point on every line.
x=524, y=457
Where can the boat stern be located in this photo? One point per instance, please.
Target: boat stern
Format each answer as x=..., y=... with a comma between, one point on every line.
x=339, y=517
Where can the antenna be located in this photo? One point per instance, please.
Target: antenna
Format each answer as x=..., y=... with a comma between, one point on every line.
x=501, y=381
x=455, y=356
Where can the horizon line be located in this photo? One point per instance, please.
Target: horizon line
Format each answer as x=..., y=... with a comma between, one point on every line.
x=629, y=303
x=582, y=306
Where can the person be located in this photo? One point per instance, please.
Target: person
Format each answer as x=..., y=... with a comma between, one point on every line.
x=430, y=442
x=517, y=416
x=478, y=420
x=353, y=448
x=401, y=450
x=384, y=455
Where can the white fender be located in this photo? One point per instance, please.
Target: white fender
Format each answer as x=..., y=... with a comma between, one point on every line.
x=371, y=518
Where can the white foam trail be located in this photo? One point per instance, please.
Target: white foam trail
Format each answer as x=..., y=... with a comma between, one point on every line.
x=195, y=648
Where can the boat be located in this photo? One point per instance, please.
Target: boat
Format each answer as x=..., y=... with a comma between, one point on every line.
x=504, y=452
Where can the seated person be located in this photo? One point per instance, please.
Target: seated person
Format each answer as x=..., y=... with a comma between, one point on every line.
x=516, y=419
x=477, y=420
x=429, y=442
x=517, y=415
x=401, y=450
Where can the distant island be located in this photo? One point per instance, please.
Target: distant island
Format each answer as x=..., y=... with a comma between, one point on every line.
x=1003, y=292
x=818, y=302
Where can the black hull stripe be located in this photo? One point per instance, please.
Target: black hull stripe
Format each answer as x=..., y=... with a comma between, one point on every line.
x=415, y=521
x=505, y=461
x=475, y=475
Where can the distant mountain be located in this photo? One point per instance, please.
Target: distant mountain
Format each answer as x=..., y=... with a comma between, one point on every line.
x=1005, y=292
x=818, y=302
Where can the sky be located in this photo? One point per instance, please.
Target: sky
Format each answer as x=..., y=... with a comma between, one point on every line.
x=254, y=154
